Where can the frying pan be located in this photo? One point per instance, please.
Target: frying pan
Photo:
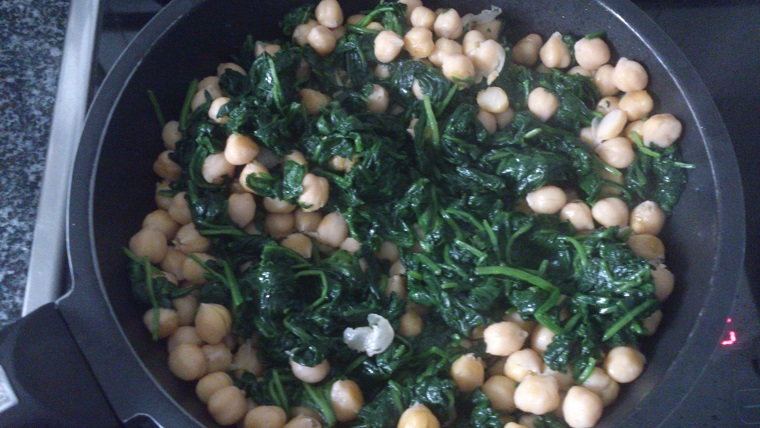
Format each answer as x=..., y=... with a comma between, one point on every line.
x=91, y=346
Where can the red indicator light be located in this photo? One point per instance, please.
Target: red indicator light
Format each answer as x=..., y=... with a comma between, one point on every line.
x=731, y=336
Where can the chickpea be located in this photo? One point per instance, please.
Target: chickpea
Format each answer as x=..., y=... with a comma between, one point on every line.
x=388, y=251
x=166, y=168
x=149, y=243
x=329, y=13
x=515, y=317
x=612, y=125
x=179, y=210
x=332, y=230
x=664, y=282
x=490, y=29
x=516, y=425
x=636, y=104
x=647, y=246
x=261, y=48
x=540, y=338
x=211, y=383
x=610, y=212
x=396, y=284
x=212, y=322
x=647, y=218
x=172, y=262
x=189, y=240
x=500, y=391
x=662, y=130
x=603, y=79
x=313, y=100
x=624, y=364
x=185, y=307
x=522, y=364
x=170, y=134
x=387, y=46
x=468, y=372
x=347, y=400
x=588, y=136
x=215, y=108
x=299, y=243
x=241, y=207
x=579, y=214
x=591, y=53
x=183, y=334
x=301, y=32
x=193, y=272
x=382, y=71
x=630, y=76
x=419, y=42
x=609, y=394
x=564, y=378
x=537, y=394
x=616, y=152
x=247, y=360
x=597, y=381
x=375, y=26
x=310, y=374
x=240, y=149
x=607, y=105
x=222, y=68
x=163, y=202
x=187, y=362
x=316, y=192
x=422, y=17
x=210, y=90
x=278, y=206
x=504, y=338
x=542, y=103
x=411, y=324
x=581, y=407
x=265, y=417
x=448, y=24
x=472, y=41
x=458, y=68
x=652, y=322
x=304, y=421
x=555, y=53
x=418, y=416
x=493, y=100
x=526, y=50
x=227, y=405
x=322, y=40
x=255, y=168
x=444, y=47
x=378, y=100
x=168, y=321
x=216, y=168
x=635, y=126
x=218, y=357
x=546, y=200
x=488, y=120
x=279, y=225
x=307, y=221
x=504, y=119
x=161, y=221
x=579, y=70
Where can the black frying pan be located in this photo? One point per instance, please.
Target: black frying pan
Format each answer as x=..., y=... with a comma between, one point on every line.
x=111, y=192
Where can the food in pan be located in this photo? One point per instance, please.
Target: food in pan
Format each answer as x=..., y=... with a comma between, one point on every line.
x=405, y=218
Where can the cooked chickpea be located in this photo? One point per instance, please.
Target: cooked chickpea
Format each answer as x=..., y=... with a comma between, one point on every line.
x=662, y=130
x=265, y=417
x=301, y=32
x=647, y=246
x=183, y=334
x=588, y=136
x=185, y=307
x=610, y=212
x=329, y=13
x=652, y=322
x=278, y=206
x=170, y=134
x=581, y=407
x=332, y=230
x=205, y=91
x=419, y=42
x=162, y=201
x=472, y=41
x=350, y=245
x=607, y=105
x=411, y=324
x=307, y=221
x=299, y=243
x=635, y=126
x=168, y=321
x=630, y=76
x=316, y=191
x=218, y=357
x=322, y=40
x=515, y=424
x=247, y=360
x=216, y=168
x=546, y=200
x=382, y=71
x=490, y=29
x=636, y=104
x=624, y=364
x=346, y=399
x=161, y=221
x=537, y=394
x=396, y=284
x=488, y=120
x=448, y=24
x=540, y=338
x=664, y=282
x=555, y=53
x=149, y=243
x=542, y=103
x=458, y=68
x=215, y=108
x=604, y=81
x=388, y=251
x=387, y=46
x=504, y=338
x=255, y=168
x=227, y=405
x=444, y=47
x=522, y=364
x=189, y=240
x=418, y=416
x=609, y=394
x=647, y=218
x=422, y=17
x=579, y=70
x=564, y=379
x=515, y=317
x=240, y=149
x=310, y=374
x=241, y=207
x=179, y=210
x=500, y=391
x=597, y=381
x=212, y=322
x=211, y=383
x=187, y=362
x=305, y=421
x=261, y=48
x=616, y=152
x=579, y=214
x=166, y=168
x=313, y=100
x=468, y=372
x=279, y=225
x=378, y=100
x=591, y=53
x=493, y=100
x=194, y=273
x=526, y=50
x=612, y=125
x=223, y=67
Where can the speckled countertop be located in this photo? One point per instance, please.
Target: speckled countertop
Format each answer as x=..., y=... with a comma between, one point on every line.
x=31, y=43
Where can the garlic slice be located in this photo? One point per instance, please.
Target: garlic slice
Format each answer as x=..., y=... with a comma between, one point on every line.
x=371, y=340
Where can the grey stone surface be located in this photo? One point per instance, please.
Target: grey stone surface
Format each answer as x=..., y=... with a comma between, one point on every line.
x=31, y=43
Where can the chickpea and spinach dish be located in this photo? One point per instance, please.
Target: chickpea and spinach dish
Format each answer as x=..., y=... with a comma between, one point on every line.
x=410, y=218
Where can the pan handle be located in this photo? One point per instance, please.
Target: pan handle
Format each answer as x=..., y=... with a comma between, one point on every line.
x=44, y=378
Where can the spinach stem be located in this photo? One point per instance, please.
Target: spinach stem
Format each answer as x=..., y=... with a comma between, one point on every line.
x=186, y=105
x=516, y=274
x=640, y=144
x=157, y=108
x=627, y=318
x=152, y=297
x=431, y=121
